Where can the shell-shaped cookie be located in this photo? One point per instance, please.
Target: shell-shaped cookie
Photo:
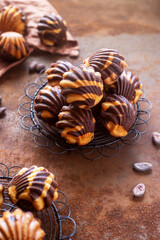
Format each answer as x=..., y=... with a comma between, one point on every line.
x=82, y=87
x=56, y=71
x=128, y=86
x=118, y=115
x=48, y=104
x=108, y=62
x=13, y=46
x=19, y=225
x=52, y=30
x=12, y=19
x=76, y=125
x=33, y=187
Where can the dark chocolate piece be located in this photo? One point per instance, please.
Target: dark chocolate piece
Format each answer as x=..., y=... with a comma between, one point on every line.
x=108, y=62
x=156, y=138
x=82, y=87
x=56, y=71
x=76, y=125
x=142, y=167
x=32, y=67
x=2, y=111
x=40, y=67
x=52, y=30
x=118, y=115
x=139, y=190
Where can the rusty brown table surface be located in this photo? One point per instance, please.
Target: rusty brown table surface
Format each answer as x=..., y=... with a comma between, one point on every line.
x=99, y=192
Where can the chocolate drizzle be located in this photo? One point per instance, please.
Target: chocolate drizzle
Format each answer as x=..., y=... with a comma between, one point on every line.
x=52, y=30
x=33, y=181
x=48, y=104
x=128, y=86
x=82, y=87
x=76, y=123
x=13, y=46
x=118, y=115
x=56, y=71
x=12, y=19
x=108, y=62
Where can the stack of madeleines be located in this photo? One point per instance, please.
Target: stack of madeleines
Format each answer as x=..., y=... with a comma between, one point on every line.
x=76, y=96
x=13, y=28
x=31, y=188
x=51, y=29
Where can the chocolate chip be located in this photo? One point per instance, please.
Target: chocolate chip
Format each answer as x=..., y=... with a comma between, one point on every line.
x=156, y=138
x=2, y=111
x=142, y=167
x=0, y=100
x=32, y=67
x=40, y=67
x=139, y=190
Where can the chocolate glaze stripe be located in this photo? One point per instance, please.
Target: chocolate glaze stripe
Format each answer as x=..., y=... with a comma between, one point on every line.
x=85, y=90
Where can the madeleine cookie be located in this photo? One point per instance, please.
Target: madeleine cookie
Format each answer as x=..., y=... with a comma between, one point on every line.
x=12, y=20
x=76, y=125
x=19, y=225
x=52, y=30
x=33, y=187
x=48, y=104
x=118, y=115
x=82, y=87
x=108, y=62
x=128, y=86
x=56, y=71
x=13, y=46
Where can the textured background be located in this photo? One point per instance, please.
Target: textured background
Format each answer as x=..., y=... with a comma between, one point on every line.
x=99, y=191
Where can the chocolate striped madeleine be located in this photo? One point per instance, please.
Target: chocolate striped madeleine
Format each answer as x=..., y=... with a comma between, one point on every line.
x=128, y=86
x=108, y=62
x=12, y=20
x=82, y=87
x=48, y=104
x=13, y=46
x=56, y=71
x=19, y=225
x=33, y=187
x=118, y=115
x=52, y=30
x=76, y=125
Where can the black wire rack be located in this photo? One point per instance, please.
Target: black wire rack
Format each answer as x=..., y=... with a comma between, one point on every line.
x=55, y=220
x=103, y=144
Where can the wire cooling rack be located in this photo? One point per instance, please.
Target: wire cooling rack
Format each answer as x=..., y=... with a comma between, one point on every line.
x=55, y=220
x=103, y=144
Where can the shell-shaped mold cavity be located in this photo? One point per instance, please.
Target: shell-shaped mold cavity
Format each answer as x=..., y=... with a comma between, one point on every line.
x=118, y=115
x=82, y=87
x=52, y=30
x=56, y=71
x=19, y=225
x=48, y=104
x=13, y=46
x=76, y=125
x=12, y=19
x=33, y=187
x=128, y=86
x=108, y=62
